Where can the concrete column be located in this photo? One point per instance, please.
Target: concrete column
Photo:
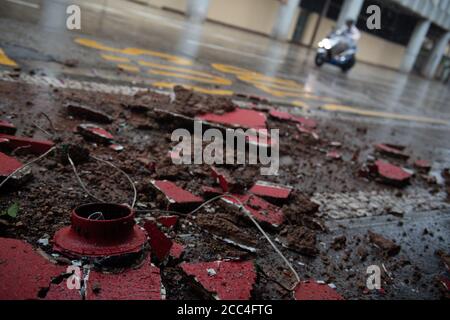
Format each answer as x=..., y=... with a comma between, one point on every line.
x=414, y=45
x=197, y=10
x=285, y=16
x=435, y=57
x=350, y=10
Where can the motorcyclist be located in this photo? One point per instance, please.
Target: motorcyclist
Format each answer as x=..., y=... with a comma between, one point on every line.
x=350, y=31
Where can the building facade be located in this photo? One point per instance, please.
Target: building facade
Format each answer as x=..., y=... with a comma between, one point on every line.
x=414, y=34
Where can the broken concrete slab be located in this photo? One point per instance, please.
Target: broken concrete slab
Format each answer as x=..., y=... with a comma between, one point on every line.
x=286, y=116
x=224, y=179
x=8, y=165
x=168, y=221
x=224, y=280
x=116, y=147
x=391, y=174
x=176, y=251
x=32, y=145
x=334, y=155
x=87, y=113
x=263, y=211
x=271, y=191
x=308, y=131
x=61, y=292
x=314, y=290
x=389, y=247
x=24, y=274
x=422, y=165
x=143, y=283
x=220, y=226
x=7, y=127
x=95, y=133
x=239, y=118
x=210, y=192
x=160, y=244
x=391, y=151
x=178, y=199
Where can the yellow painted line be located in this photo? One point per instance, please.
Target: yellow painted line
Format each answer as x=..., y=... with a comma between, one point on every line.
x=115, y=58
x=170, y=85
x=380, y=114
x=218, y=80
x=128, y=67
x=301, y=104
x=4, y=60
x=185, y=73
x=134, y=51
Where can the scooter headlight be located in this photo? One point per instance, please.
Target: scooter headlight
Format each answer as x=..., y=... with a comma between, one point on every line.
x=325, y=43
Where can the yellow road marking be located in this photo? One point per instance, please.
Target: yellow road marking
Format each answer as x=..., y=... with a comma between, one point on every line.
x=115, y=58
x=128, y=67
x=134, y=51
x=170, y=85
x=185, y=73
x=301, y=104
x=4, y=60
x=380, y=114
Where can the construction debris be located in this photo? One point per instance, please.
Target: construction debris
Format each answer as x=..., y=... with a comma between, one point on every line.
x=314, y=290
x=178, y=199
x=387, y=246
x=7, y=127
x=88, y=113
x=392, y=151
x=94, y=133
x=27, y=144
x=223, y=280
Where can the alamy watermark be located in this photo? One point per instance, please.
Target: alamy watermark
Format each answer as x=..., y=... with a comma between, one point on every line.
x=373, y=281
x=73, y=21
x=263, y=147
x=374, y=20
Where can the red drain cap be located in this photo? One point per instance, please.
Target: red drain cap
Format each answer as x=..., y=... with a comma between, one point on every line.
x=100, y=229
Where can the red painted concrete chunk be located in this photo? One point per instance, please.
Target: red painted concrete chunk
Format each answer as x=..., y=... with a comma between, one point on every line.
x=175, y=194
x=241, y=118
x=88, y=113
x=280, y=115
x=159, y=243
x=34, y=146
x=334, y=155
x=23, y=272
x=260, y=209
x=143, y=283
x=8, y=165
x=270, y=190
x=308, y=131
x=391, y=172
x=95, y=133
x=391, y=151
x=168, y=221
x=223, y=179
x=225, y=280
x=7, y=127
x=210, y=192
x=177, y=251
x=423, y=164
x=311, y=290
x=62, y=292
x=285, y=116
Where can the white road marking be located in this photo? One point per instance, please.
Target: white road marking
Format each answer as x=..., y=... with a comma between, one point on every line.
x=25, y=3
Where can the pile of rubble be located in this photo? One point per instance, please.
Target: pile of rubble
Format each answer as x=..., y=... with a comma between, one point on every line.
x=196, y=228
